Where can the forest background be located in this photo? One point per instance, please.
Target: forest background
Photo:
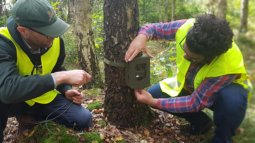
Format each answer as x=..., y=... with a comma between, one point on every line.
x=87, y=24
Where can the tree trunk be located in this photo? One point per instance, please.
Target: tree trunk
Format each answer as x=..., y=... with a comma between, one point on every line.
x=244, y=16
x=211, y=6
x=217, y=7
x=166, y=10
x=160, y=10
x=121, y=26
x=85, y=42
x=71, y=11
x=2, y=7
x=221, y=11
x=173, y=11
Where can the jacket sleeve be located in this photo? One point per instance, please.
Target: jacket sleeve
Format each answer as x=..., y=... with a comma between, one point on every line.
x=162, y=31
x=14, y=87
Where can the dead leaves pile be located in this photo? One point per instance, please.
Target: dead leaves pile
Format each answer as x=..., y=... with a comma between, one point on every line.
x=164, y=129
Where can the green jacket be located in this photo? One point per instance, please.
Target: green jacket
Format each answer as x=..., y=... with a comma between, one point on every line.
x=15, y=87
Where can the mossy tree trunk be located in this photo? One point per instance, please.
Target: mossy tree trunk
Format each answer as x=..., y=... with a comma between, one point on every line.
x=71, y=11
x=85, y=42
x=173, y=10
x=221, y=11
x=244, y=16
x=121, y=26
x=218, y=7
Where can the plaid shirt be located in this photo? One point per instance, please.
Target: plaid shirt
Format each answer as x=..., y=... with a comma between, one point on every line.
x=195, y=100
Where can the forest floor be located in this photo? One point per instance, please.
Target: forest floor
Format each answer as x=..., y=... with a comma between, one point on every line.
x=164, y=129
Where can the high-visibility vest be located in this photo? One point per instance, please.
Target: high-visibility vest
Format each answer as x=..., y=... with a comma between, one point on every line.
x=230, y=62
x=25, y=66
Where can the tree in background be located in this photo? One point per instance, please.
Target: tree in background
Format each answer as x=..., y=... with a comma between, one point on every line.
x=121, y=26
x=165, y=10
x=71, y=11
x=221, y=11
x=98, y=27
x=244, y=16
x=85, y=41
x=173, y=10
x=218, y=7
x=4, y=11
x=2, y=5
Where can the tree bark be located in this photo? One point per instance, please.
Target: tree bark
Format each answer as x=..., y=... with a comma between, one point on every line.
x=173, y=11
x=85, y=42
x=244, y=16
x=166, y=10
x=121, y=26
x=2, y=7
x=211, y=6
x=221, y=11
x=217, y=7
x=71, y=11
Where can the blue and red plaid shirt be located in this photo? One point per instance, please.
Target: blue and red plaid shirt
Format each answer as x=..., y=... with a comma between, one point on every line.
x=195, y=100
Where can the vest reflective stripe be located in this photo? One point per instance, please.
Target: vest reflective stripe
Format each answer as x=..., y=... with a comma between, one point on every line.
x=25, y=66
x=230, y=62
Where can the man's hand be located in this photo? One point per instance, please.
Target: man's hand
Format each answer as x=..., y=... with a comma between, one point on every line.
x=72, y=77
x=137, y=45
x=145, y=97
x=74, y=95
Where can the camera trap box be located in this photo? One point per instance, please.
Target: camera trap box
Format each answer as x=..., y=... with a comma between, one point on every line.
x=137, y=72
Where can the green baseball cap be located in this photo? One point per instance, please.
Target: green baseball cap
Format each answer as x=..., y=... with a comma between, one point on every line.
x=39, y=16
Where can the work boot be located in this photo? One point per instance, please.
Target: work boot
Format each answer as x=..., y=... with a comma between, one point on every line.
x=201, y=128
x=26, y=123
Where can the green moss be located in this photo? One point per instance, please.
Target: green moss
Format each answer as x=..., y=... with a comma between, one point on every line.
x=49, y=133
x=94, y=105
x=92, y=137
x=102, y=123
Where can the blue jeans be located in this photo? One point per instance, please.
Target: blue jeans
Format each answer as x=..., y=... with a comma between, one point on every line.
x=62, y=110
x=228, y=111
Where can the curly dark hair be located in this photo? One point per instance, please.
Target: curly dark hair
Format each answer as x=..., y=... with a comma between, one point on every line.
x=210, y=36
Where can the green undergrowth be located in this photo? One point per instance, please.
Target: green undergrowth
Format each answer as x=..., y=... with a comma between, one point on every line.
x=92, y=92
x=54, y=133
x=94, y=105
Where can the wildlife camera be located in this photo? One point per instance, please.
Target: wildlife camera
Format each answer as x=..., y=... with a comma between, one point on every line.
x=137, y=72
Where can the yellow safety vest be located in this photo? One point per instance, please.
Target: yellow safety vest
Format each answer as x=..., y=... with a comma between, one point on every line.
x=230, y=62
x=25, y=66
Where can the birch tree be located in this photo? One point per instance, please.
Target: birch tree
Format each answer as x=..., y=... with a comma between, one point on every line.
x=121, y=26
x=85, y=42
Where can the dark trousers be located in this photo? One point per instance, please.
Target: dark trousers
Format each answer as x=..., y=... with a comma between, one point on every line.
x=228, y=111
x=61, y=110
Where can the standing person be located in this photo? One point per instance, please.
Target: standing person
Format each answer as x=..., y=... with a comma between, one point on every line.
x=210, y=74
x=32, y=80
